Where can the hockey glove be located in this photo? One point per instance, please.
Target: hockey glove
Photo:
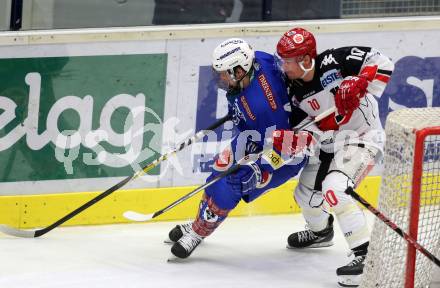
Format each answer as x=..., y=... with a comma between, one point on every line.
x=351, y=90
x=291, y=144
x=245, y=180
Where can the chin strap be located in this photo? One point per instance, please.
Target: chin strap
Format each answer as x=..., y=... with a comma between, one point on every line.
x=301, y=64
x=251, y=75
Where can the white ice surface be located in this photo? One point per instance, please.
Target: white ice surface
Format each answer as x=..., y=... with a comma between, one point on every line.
x=243, y=252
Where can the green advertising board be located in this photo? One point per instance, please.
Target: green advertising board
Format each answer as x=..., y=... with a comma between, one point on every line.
x=80, y=117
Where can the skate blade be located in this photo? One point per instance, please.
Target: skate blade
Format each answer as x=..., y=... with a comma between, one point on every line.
x=168, y=241
x=173, y=259
x=349, y=280
x=317, y=245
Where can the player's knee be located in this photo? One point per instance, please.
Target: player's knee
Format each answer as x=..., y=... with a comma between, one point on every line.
x=306, y=197
x=313, y=207
x=222, y=195
x=350, y=216
x=333, y=188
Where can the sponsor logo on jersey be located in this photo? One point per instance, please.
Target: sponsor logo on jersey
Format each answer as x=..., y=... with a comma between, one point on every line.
x=328, y=59
x=247, y=108
x=329, y=77
x=273, y=158
x=311, y=93
x=267, y=91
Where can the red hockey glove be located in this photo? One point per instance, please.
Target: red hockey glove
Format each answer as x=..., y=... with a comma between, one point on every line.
x=351, y=90
x=287, y=143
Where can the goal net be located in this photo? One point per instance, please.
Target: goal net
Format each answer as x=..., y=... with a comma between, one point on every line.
x=410, y=197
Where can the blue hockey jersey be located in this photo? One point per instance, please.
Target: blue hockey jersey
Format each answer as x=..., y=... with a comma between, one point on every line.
x=264, y=104
x=261, y=107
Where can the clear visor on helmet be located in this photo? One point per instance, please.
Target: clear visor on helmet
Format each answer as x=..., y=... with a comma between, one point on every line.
x=282, y=62
x=224, y=79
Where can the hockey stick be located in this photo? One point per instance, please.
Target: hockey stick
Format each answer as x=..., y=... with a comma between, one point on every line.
x=139, y=217
x=37, y=233
x=350, y=191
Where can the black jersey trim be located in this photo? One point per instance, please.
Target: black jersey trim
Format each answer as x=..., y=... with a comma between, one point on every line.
x=386, y=72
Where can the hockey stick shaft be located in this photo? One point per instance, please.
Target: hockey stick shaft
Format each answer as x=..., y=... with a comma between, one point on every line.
x=199, y=135
x=316, y=119
x=146, y=217
x=350, y=191
x=198, y=189
x=40, y=232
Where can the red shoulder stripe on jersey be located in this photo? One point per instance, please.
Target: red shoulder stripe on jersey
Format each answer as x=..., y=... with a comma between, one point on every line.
x=369, y=72
x=383, y=78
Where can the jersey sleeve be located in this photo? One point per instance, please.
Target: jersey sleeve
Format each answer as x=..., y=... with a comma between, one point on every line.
x=367, y=62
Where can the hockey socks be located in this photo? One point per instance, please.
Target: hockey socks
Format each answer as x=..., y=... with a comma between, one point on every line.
x=188, y=237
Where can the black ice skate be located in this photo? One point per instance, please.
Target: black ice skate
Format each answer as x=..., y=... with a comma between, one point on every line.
x=186, y=244
x=311, y=239
x=350, y=274
x=177, y=232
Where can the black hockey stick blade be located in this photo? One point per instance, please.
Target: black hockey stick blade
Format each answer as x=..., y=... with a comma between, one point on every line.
x=350, y=191
x=39, y=232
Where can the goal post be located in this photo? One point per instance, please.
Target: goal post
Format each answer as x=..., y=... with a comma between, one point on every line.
x=410, y=197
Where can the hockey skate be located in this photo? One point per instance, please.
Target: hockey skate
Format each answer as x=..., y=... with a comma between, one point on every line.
x=186, y=244
x=311, y=239
x=177, y=232
x=350, y=274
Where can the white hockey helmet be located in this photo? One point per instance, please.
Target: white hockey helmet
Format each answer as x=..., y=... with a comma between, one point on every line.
x=232, y=53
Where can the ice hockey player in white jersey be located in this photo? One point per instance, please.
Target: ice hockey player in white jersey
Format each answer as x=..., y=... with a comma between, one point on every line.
x=351, y=139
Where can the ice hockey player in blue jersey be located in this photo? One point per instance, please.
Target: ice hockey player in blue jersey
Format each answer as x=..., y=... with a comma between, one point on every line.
x=258, y=101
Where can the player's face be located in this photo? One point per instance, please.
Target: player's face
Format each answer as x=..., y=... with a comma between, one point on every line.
x=292, y=68
x=225, y=80
x=231, y=78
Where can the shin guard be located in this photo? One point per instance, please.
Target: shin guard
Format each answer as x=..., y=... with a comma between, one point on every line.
x=209, y=217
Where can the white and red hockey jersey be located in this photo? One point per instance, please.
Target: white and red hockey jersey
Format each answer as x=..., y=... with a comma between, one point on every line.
x=317, y=96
